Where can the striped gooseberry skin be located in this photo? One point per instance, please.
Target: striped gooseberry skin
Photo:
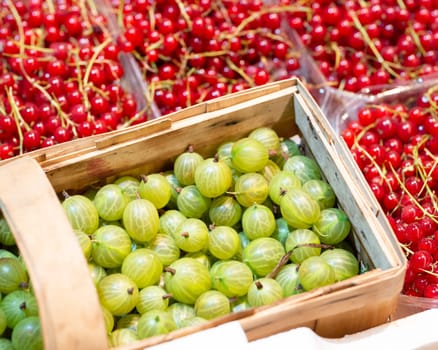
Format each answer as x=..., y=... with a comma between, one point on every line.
x=191, y=203
x=321, y=191
x=191, y=235
x=264, y=291
x=251, y=188
x=288, y=279
x=258, y=221
x=13, y=275
x=288, y=149
x=223, y=242
x=186, y=279
x=152, y=298
x=170, y=220
x=231, y=277
x=270, y=170
x=244, y=241
x=332, y=226
x=111, y=245
x=18, y=305
x=185, y=165
x=180, y=312
x=118, y=293
x=165, y=247
x=128, y=321
x=192, y=321
x=224, y=152
x=122, y=336
x=213, y=177
x=175, y=186
x=129, y=185
x=315, y=272
x=96, y=271
x=6, y=236
x=84, y=242
x=110, y=202
x=282, y=230
x=141, y=220
x=225, y=210
x=281, y=183
x=27, y=334
x=249, y=155
x=304, y=167
x=156, y=189
x=81, y=213
x=299, y=209
x=212, y=304
x=262, y=255
x=155, y=322
x=295, y=241
x=202, y=256
x=143, y=266
x=268, y=137
x=343, y=262
x=108, y=319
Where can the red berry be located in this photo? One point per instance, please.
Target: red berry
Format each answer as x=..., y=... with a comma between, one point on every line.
x=431, y=291
x=421, y=261
x=31, y=140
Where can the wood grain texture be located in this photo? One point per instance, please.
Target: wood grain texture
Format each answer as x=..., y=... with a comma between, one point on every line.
x=69, y=309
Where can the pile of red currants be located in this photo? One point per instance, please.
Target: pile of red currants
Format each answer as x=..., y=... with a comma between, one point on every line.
x=362, y=44
x=60, y=76
x=193, y=51
x=396, y=146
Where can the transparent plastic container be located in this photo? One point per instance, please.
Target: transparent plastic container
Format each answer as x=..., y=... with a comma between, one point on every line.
x=329, y=89
x=347, y=111
x=343, y=108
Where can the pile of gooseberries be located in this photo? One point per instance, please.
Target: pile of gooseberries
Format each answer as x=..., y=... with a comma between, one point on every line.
x=20, y=326
x=248, y=226
x=252, y=224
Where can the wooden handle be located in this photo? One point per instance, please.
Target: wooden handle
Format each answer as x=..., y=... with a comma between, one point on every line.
x=69, y=309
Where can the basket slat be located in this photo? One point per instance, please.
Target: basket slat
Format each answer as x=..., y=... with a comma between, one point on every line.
x=70, y=314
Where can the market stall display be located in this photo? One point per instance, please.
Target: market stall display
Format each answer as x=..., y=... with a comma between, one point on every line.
x=119, y=102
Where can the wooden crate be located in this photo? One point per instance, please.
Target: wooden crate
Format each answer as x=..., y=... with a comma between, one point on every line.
x=69, y=310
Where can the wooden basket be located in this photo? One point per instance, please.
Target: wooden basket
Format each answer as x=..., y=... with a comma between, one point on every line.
x=69, y=308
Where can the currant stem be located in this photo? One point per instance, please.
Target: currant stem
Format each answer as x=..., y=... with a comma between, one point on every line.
x=93, y=59
x=17, y=118
x=371, y=45
x=184, y=13
x=240, y=72
x=274, y=9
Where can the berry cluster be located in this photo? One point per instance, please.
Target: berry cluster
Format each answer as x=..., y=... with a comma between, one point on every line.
x=361, y=44
x=396, y=147
x=192, y=51
x=60, y=75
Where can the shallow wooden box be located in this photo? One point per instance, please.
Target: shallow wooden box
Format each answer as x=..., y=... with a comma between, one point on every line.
x=69, y=310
